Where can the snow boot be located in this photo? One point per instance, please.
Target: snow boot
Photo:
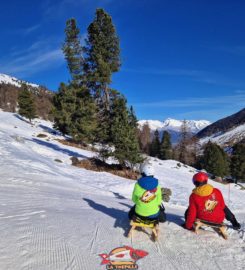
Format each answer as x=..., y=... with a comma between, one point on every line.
x=236, y=225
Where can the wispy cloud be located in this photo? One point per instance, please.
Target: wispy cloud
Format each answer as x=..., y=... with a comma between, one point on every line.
x=32, y=63
x=30, y=29
x=236, y=100
x=41, y=55
x=195, y=75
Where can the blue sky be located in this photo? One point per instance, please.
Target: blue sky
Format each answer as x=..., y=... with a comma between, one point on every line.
x=180, y=59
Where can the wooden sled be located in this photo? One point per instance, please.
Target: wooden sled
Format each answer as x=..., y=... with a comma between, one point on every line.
x=219, y=227
x=139, y=223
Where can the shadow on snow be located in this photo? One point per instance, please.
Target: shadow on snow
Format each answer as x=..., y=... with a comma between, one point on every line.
x=49, y=130
x=120, y=216
x=58, y=148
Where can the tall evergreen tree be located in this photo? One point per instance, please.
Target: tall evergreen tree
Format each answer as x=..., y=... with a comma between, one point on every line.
x=215, y=160
x=102, y=53
x=238, y=162
x=75, y=109
x=155, y=145
x=83, y=119
x=102, y=59
x=26, y=103
x=64, y=106
x=72, y=50
x=165, y=151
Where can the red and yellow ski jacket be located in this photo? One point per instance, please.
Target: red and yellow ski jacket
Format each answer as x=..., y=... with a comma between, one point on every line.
x=207, y=203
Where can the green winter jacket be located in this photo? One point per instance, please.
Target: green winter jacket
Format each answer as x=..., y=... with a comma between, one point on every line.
x=147, y=196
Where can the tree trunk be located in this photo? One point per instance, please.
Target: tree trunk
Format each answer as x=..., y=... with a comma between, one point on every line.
x=107, y=97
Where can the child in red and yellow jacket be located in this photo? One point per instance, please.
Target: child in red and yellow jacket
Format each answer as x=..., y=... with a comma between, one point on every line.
x=207, y=203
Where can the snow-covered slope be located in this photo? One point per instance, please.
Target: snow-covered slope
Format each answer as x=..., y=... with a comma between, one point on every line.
x=14, y=81
x=226, y=131
x=228, y=138
x=56, y=216
x=174, y=126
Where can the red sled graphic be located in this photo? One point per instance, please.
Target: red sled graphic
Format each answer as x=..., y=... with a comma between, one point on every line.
x=123, y=258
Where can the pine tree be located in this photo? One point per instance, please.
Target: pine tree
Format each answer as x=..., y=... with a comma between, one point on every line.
x=238, y=162
x=26, y=103
x=102, y=59
x=72, y=50
x=75, y=109
x=155, y=145
x=215, y=160
x=64, y=106
x=83, y=119
x=102, y=52
x=65, y=101
x=165, y=151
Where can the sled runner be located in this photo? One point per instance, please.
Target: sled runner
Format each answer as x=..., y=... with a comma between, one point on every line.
x=145, y=223
x=219, y=227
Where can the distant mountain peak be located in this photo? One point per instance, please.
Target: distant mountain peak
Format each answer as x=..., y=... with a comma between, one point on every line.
x=6, y=79
x=10, y=88
x=172, y=122
x=174, y=125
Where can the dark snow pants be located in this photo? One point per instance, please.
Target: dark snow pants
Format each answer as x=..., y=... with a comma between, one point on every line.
x=161, y=218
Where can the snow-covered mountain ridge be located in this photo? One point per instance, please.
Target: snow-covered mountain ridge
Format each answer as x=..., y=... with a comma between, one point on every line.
x=175, y=125
x=228, y=138
x=226, y=131
x=10, y=88
x=6, y=79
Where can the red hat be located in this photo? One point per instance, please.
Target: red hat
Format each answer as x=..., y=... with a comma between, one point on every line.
x=200, y=178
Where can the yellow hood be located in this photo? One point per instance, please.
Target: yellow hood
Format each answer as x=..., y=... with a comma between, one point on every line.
x=204, y=190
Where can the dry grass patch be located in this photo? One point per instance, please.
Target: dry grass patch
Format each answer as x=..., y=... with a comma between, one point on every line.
x=97, y=165
x=77, y=145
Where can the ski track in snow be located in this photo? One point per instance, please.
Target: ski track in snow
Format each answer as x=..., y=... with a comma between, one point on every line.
x=55, y=216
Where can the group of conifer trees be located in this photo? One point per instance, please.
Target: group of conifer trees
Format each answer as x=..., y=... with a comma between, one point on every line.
x=211, y=157
x=87, y=108
x=218, y=162
x=162, y=148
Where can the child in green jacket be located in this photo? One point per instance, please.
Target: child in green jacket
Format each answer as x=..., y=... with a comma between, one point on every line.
x=147, y=196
